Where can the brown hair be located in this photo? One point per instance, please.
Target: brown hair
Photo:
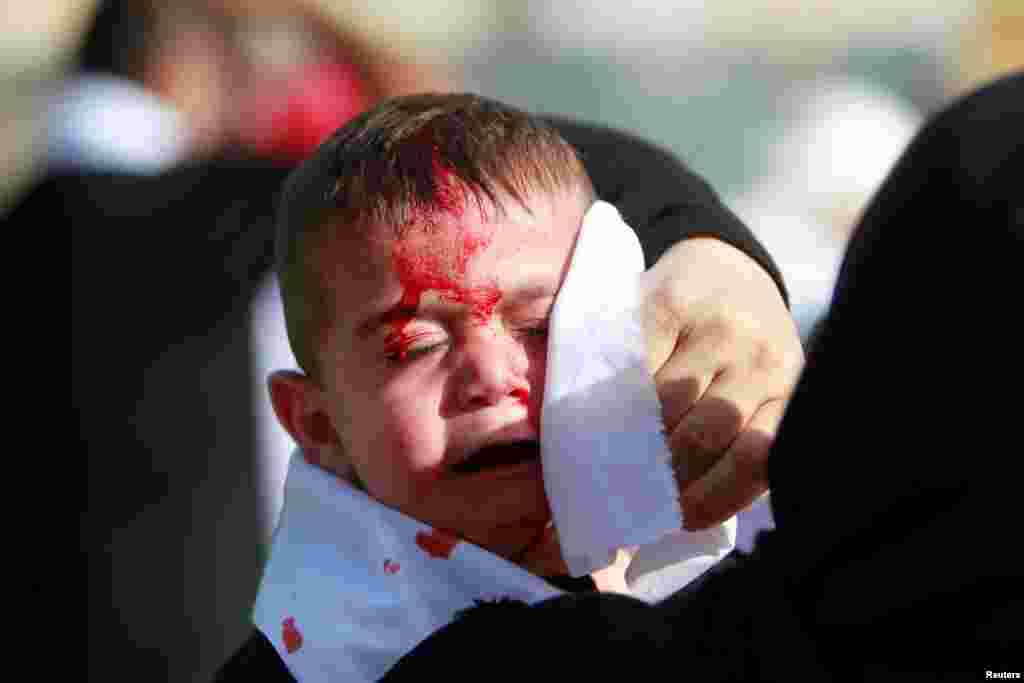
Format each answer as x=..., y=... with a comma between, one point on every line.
x=398, y=164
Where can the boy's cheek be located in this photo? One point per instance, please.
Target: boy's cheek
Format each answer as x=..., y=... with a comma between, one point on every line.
x=407, y=453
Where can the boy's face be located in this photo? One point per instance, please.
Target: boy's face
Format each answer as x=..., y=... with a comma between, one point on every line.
x=434, y=366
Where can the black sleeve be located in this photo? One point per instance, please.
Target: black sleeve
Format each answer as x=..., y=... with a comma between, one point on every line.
x=256, y=660
x=161, y=387
x=559, y=638
x=657, y=195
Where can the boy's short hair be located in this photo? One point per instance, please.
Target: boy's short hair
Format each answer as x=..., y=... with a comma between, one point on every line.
x=398, y=164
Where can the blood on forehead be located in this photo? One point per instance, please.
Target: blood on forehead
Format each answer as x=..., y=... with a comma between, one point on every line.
x=425, y=259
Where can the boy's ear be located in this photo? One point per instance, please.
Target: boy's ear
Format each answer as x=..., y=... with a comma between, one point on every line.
x=299, y=405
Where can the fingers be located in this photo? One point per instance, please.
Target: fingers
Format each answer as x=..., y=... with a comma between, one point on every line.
x=711, y=388
x=694, y=363
x=714, y=421
x=739, y=477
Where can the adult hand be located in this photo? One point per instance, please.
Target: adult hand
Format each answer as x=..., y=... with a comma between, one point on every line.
x=725, y=354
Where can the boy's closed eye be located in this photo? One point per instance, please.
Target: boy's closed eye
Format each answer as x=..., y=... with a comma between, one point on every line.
x=403, y=348
x=533, y=328
x=401, y=356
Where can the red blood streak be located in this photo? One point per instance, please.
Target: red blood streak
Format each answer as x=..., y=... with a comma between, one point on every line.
x=532, y=412
x=290, y=635
x=450, y=195
x=391, y=567
x=438, y=265
x=436, y=543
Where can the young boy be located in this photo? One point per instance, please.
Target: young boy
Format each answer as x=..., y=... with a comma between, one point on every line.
x=420, y=252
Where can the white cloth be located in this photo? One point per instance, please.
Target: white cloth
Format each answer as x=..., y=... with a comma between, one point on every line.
x=607, y=466
x=347, y=576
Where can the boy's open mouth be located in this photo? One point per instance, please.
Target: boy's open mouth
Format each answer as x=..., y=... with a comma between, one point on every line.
x=498, y=455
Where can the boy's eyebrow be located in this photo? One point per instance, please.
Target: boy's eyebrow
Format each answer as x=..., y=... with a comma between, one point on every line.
x=375, y=321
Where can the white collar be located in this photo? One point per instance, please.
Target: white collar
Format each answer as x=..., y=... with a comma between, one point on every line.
x=348, y=590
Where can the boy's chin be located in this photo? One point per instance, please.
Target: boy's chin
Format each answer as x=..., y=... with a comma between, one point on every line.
x=533, y=547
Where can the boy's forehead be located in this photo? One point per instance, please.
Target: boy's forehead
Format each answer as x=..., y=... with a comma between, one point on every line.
x=476, y=227
x=521, y=243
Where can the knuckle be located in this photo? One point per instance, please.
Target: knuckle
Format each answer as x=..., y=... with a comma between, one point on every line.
x=677, y=396
x=664, y=310
x=684, y=443
x=792, y=359
x=678, y=441
x=767, y=357
x=782, y=363
x=721, y=328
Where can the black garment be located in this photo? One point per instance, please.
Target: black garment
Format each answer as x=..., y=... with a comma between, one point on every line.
x=895, y=473
x=657, y=195
x=256, y=660
x=162, y=271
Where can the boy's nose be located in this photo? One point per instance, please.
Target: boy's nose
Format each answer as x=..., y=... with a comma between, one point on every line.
x=483, y=394
x=490, y=372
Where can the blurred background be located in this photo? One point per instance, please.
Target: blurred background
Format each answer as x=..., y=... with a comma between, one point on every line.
x=735, y=87
x=793, y=110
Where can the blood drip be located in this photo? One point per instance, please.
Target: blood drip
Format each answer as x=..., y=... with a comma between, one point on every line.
x=290, y=635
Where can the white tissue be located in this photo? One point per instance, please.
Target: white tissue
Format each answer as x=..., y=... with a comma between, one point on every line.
x=606, y=464
x=607, y=467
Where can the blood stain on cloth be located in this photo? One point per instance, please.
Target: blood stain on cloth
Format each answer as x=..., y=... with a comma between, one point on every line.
x=436, y=543
x=290, y=635
x=391, y=567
